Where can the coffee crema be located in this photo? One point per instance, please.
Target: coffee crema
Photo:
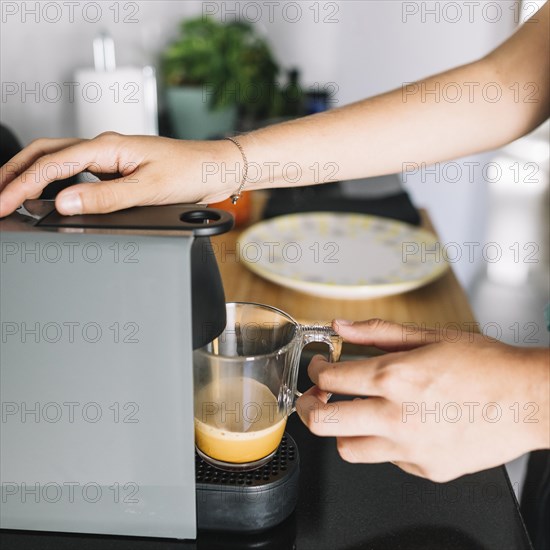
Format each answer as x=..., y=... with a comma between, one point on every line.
x=244, y=425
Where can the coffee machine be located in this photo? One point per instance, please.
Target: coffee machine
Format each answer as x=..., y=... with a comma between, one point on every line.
x=99, y=318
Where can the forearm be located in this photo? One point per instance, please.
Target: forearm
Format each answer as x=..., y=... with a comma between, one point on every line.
x=535, y=373
x=379, y=135
x=445, y=116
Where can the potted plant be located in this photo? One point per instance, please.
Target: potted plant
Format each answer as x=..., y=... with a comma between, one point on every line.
x=216, y=72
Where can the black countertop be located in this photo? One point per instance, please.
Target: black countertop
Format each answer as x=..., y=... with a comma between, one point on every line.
x=350, y=507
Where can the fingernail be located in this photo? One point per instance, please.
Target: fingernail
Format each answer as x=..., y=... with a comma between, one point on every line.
x=343, y=322
x=70, y=204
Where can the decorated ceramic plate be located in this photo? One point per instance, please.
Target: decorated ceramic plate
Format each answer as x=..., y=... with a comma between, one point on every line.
x=340, y=255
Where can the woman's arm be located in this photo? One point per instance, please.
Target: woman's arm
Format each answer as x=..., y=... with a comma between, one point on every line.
x=372, y=137
x=377, y=135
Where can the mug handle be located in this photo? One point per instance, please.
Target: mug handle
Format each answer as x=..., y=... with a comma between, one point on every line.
x=326, y=335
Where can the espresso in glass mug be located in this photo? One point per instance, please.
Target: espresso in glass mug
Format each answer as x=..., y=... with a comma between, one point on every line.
x=245, y=384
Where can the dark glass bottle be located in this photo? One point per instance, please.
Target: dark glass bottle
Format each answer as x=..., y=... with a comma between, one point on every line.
x=293, y=97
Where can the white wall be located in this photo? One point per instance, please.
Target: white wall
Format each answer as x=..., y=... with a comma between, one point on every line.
x=36, y=52
x=362, y=47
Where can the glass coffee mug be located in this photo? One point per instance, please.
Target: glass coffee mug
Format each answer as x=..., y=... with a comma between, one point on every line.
x=245, y=384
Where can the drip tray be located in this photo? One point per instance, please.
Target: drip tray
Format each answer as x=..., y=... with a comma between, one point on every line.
x=252, y=500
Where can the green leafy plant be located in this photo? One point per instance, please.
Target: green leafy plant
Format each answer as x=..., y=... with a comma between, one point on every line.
x=232, y=63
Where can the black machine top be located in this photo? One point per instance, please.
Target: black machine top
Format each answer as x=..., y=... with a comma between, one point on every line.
x=200, y=220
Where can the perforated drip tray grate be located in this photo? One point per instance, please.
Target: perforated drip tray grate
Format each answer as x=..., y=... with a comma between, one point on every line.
x=252, y=500
x=279, y=468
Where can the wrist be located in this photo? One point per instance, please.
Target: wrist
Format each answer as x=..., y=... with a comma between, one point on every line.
x=537, y=397
x=219, y=168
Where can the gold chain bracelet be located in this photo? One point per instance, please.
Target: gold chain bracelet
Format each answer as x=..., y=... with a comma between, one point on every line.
x=237, y=195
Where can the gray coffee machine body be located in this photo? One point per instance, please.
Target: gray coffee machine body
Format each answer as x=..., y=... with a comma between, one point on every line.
x=95, y=368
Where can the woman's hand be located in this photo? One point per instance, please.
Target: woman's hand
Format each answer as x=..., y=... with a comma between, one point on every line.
x=137, y=171
x=438, y=405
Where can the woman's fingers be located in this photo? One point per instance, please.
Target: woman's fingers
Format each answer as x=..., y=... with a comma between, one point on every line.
x=410, y=468
x=28, y=156
x=362, y=377
x=385, y=335
x=370, y=449
x=342, y=418
x=101, y=197
x=98, y=155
